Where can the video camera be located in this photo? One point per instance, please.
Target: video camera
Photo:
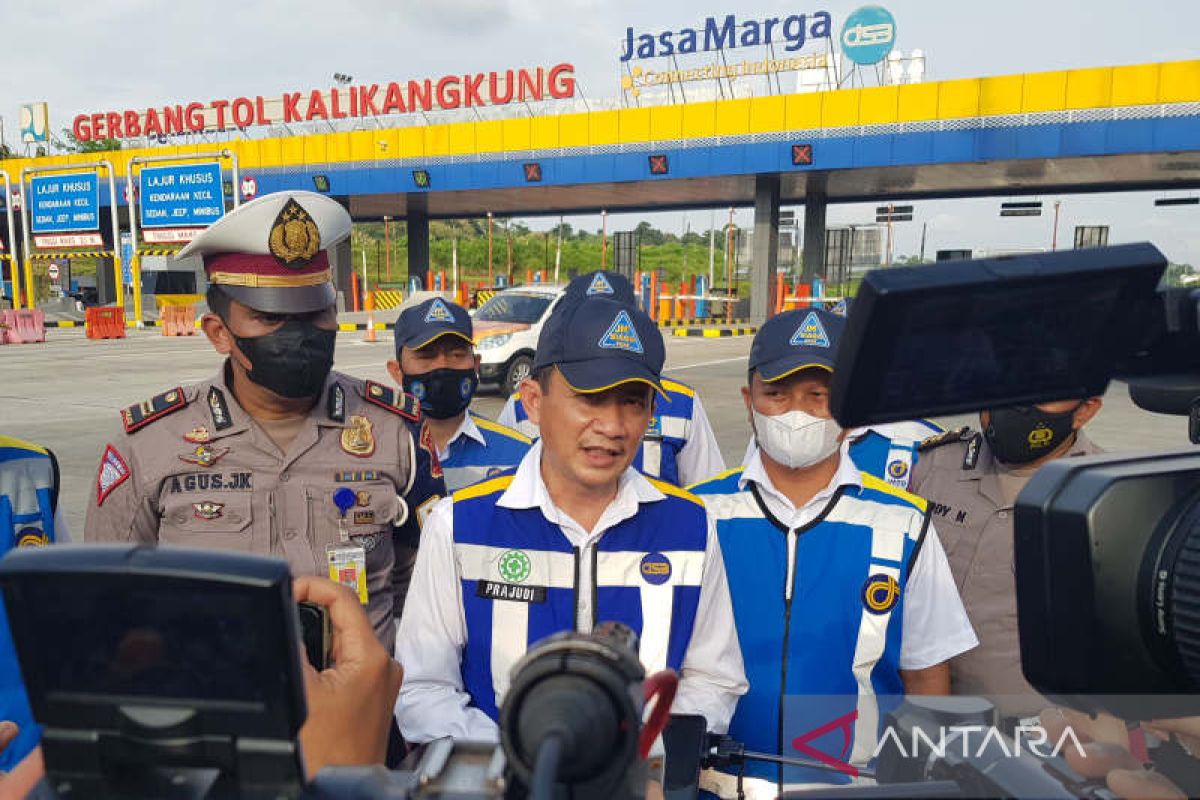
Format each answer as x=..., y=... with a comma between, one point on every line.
x=167, y=672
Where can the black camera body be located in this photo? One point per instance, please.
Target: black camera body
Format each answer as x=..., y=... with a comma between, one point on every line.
x=1108, y=577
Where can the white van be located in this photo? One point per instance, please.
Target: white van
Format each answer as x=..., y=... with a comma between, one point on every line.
x=506, y=331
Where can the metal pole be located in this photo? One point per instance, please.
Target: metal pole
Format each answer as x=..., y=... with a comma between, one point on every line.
x=1054, y=240
x=25, y=249
x=729, y=255
x=135, y=267
x=712, y=247
x=491, y=281
x=889, y=235
x=924, y=229
x=387, y=237
x=558, y=249
x=116, y=244
x=454, y=264
x=603, y=240
x=14, y=266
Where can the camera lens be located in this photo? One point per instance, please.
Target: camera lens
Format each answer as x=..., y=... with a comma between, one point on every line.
x=1174, y=594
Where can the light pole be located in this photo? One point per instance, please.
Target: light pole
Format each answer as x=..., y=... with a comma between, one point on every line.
x=1054, y=237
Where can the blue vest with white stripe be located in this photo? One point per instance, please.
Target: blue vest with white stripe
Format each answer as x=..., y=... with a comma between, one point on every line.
x=468, y=461
x=669, y=429
x=834, y=647
x=889, y=451
x=519, y=577
x=28, y=496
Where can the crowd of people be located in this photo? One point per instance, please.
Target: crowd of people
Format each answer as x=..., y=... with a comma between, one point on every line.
x=854, y=566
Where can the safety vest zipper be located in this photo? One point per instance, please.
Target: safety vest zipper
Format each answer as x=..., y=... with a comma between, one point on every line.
x=788, y=587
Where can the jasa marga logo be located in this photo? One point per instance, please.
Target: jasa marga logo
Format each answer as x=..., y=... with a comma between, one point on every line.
x=794, y=31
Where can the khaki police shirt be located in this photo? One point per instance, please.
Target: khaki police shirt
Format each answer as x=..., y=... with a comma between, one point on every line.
x=205, y=474
x=975, y=522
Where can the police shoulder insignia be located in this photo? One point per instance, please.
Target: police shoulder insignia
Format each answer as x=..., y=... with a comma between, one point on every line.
x=401, y=403
x=945, y=437
x=142, y=414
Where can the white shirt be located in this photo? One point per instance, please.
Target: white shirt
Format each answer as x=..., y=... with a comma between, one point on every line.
x=699, y=459
x=432, y=633
x=936, y=627
x=466, y=428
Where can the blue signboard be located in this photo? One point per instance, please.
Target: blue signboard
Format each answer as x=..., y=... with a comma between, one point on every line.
x=181, y=195
x=65, y=203
x=869, y=35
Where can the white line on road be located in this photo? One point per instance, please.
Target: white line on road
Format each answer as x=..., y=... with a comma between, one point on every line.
x=706, y=363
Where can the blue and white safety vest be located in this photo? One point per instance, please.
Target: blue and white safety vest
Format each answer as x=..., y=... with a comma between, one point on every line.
x=519, y=581
x=469, y=461
x=28, y=500
x=665, y=437
x=819, y=612
x=889, y=450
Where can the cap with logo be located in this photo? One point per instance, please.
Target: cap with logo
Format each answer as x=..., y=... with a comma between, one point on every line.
x=419, y=325
x=598, y=343
x=601, y=283
x=272, y=253
x=796, y=340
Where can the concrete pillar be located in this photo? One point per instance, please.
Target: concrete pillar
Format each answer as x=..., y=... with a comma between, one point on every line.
x=341, y=264
x=418, y=235
x=814, y=230
x=766, y=247
x=105, y=289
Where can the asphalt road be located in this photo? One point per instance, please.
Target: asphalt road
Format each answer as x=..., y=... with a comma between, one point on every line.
x=65, y=394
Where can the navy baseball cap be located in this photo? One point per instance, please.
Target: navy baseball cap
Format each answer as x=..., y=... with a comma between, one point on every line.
x=419, y=325
x=602, y=283
x=598, y=343
x=796, y=340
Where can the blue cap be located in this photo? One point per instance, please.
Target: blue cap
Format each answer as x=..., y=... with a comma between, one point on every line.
x=419, y=325
x=598, y=343
x=795, y=340
x=602, y=283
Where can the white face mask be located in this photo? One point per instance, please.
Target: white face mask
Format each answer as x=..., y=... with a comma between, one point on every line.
x=796, y=439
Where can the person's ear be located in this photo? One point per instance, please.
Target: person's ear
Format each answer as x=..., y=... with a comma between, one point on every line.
x=532, y=398
x=218, y=333
x=478, y=361
x=1087, y=410
x=393, y=368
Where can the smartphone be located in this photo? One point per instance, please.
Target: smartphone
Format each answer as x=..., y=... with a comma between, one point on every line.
x=317, y=633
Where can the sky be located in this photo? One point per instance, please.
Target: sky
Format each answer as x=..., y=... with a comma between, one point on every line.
x=97, y=56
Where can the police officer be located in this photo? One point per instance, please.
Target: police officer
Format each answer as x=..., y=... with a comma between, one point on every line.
x=572, y=537
x=276, y=453
x=29, y=517
x=679, y=445
x=972, y=481
x=436, y=363
x=841, y=591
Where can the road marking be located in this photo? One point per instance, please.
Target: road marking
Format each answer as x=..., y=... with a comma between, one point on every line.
x=707, y=363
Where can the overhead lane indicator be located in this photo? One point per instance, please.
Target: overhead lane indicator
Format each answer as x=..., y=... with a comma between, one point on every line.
x=181, y=195
x=65, y=203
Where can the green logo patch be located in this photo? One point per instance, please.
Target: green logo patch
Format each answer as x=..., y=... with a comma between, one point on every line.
x=514, y=566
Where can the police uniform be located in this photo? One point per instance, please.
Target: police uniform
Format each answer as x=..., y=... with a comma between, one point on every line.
x=971, y=499
x=832, y=599
x=29, y=517
x=191, y=467
x=679, y=446
x=501, y=567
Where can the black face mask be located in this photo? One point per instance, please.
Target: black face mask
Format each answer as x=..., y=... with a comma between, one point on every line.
x=444, y=393
x=1024, y=434
x=293, y=361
